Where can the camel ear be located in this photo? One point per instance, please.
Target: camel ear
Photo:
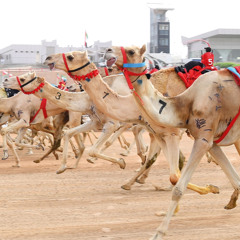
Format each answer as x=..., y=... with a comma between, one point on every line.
x=143, y=49
x=32, y=74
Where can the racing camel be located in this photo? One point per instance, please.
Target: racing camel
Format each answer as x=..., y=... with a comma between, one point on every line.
x=26, y=109
x=206, y=109
x=70, y=101
x=108, y=101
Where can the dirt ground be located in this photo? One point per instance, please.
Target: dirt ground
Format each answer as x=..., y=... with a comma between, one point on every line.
x=88, y=203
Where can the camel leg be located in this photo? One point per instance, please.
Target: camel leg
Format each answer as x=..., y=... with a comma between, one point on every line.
x=75, y=151
x=94, y=151
x=18, y=143
x=5, y=148
x=59, y=122
x=116, y=135
x=128, y=150
x=11, y=145
x=81, y=149
x=125, y=144
x=229, y=170
x=200, y=147
x=55, y=146
x=152, y=156
x=237, y=146
x=86, y=127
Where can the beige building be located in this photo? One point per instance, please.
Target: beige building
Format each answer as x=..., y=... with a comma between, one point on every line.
x=27, y=54
x=224, y=42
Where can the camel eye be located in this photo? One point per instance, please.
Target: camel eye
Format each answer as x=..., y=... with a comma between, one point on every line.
x=110, y=70
x=70, y=57
x=131, y=52
x=22, y=79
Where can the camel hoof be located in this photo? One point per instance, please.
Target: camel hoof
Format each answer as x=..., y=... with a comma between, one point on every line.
x=140, y=181
x=230, y=206
x=61, y=170
x=122, y=163
x=91, y=160
x=160, y=213
x=124, y=154
x=126, y=187
x=36, y=161
x=158, y=188
x=16, y=166
x=29, y=153
x=40, y=146
x=5, y=155
x=213, y=189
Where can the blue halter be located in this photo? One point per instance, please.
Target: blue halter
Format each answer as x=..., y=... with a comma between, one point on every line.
x=134, y=65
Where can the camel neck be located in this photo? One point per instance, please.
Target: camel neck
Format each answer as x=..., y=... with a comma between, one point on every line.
x=64, y=99
x=110, y=102
x=161, y=110
x=7, y=104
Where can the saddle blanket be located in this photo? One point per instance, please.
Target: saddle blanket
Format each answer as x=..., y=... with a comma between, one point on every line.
x=236, y=74
x=191, y=71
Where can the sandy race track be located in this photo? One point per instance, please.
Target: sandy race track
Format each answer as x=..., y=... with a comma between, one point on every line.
x=88, y=203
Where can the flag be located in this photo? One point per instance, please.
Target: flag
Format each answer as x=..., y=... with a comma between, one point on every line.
x=86, y=37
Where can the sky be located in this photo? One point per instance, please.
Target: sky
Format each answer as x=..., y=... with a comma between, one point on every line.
x=124, y=22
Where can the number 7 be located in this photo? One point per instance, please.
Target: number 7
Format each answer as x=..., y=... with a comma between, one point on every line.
x=163, y=106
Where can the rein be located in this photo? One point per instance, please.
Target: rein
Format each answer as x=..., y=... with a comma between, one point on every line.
x=92, y=74
x=129, y=73
x=106, y=71
x=25, y=84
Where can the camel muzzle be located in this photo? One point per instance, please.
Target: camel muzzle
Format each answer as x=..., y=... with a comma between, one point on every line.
x=111, y=61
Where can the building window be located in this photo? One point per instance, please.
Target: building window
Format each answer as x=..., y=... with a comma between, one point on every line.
x=16, y=51
x=26, y=51
x=163, y=41
x=163, y=29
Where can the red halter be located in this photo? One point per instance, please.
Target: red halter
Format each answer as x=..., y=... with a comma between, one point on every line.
x=35, y=90
x=92, y=74
x=129, y=73
x=43, y=101
x=106, y=71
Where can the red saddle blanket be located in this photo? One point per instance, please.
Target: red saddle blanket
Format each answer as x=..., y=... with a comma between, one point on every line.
x=191, y=71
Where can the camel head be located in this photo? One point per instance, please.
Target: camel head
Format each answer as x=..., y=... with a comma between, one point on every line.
x=107, y=71
x=26, y=82
x=73, y=60
x=114, y=55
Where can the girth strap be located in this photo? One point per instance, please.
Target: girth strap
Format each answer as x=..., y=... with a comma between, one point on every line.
x=43, y=108
x=228, y=128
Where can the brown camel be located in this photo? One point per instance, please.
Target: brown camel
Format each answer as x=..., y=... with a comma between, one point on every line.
x=110, y=103
x=205, y=109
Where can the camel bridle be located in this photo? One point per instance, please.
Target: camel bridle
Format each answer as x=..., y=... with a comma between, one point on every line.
x=92, y=74
x=128, y=73
x=25, y=84
x=43, y=101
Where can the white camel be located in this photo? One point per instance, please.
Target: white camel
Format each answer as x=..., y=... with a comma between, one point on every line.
x=206, y=109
